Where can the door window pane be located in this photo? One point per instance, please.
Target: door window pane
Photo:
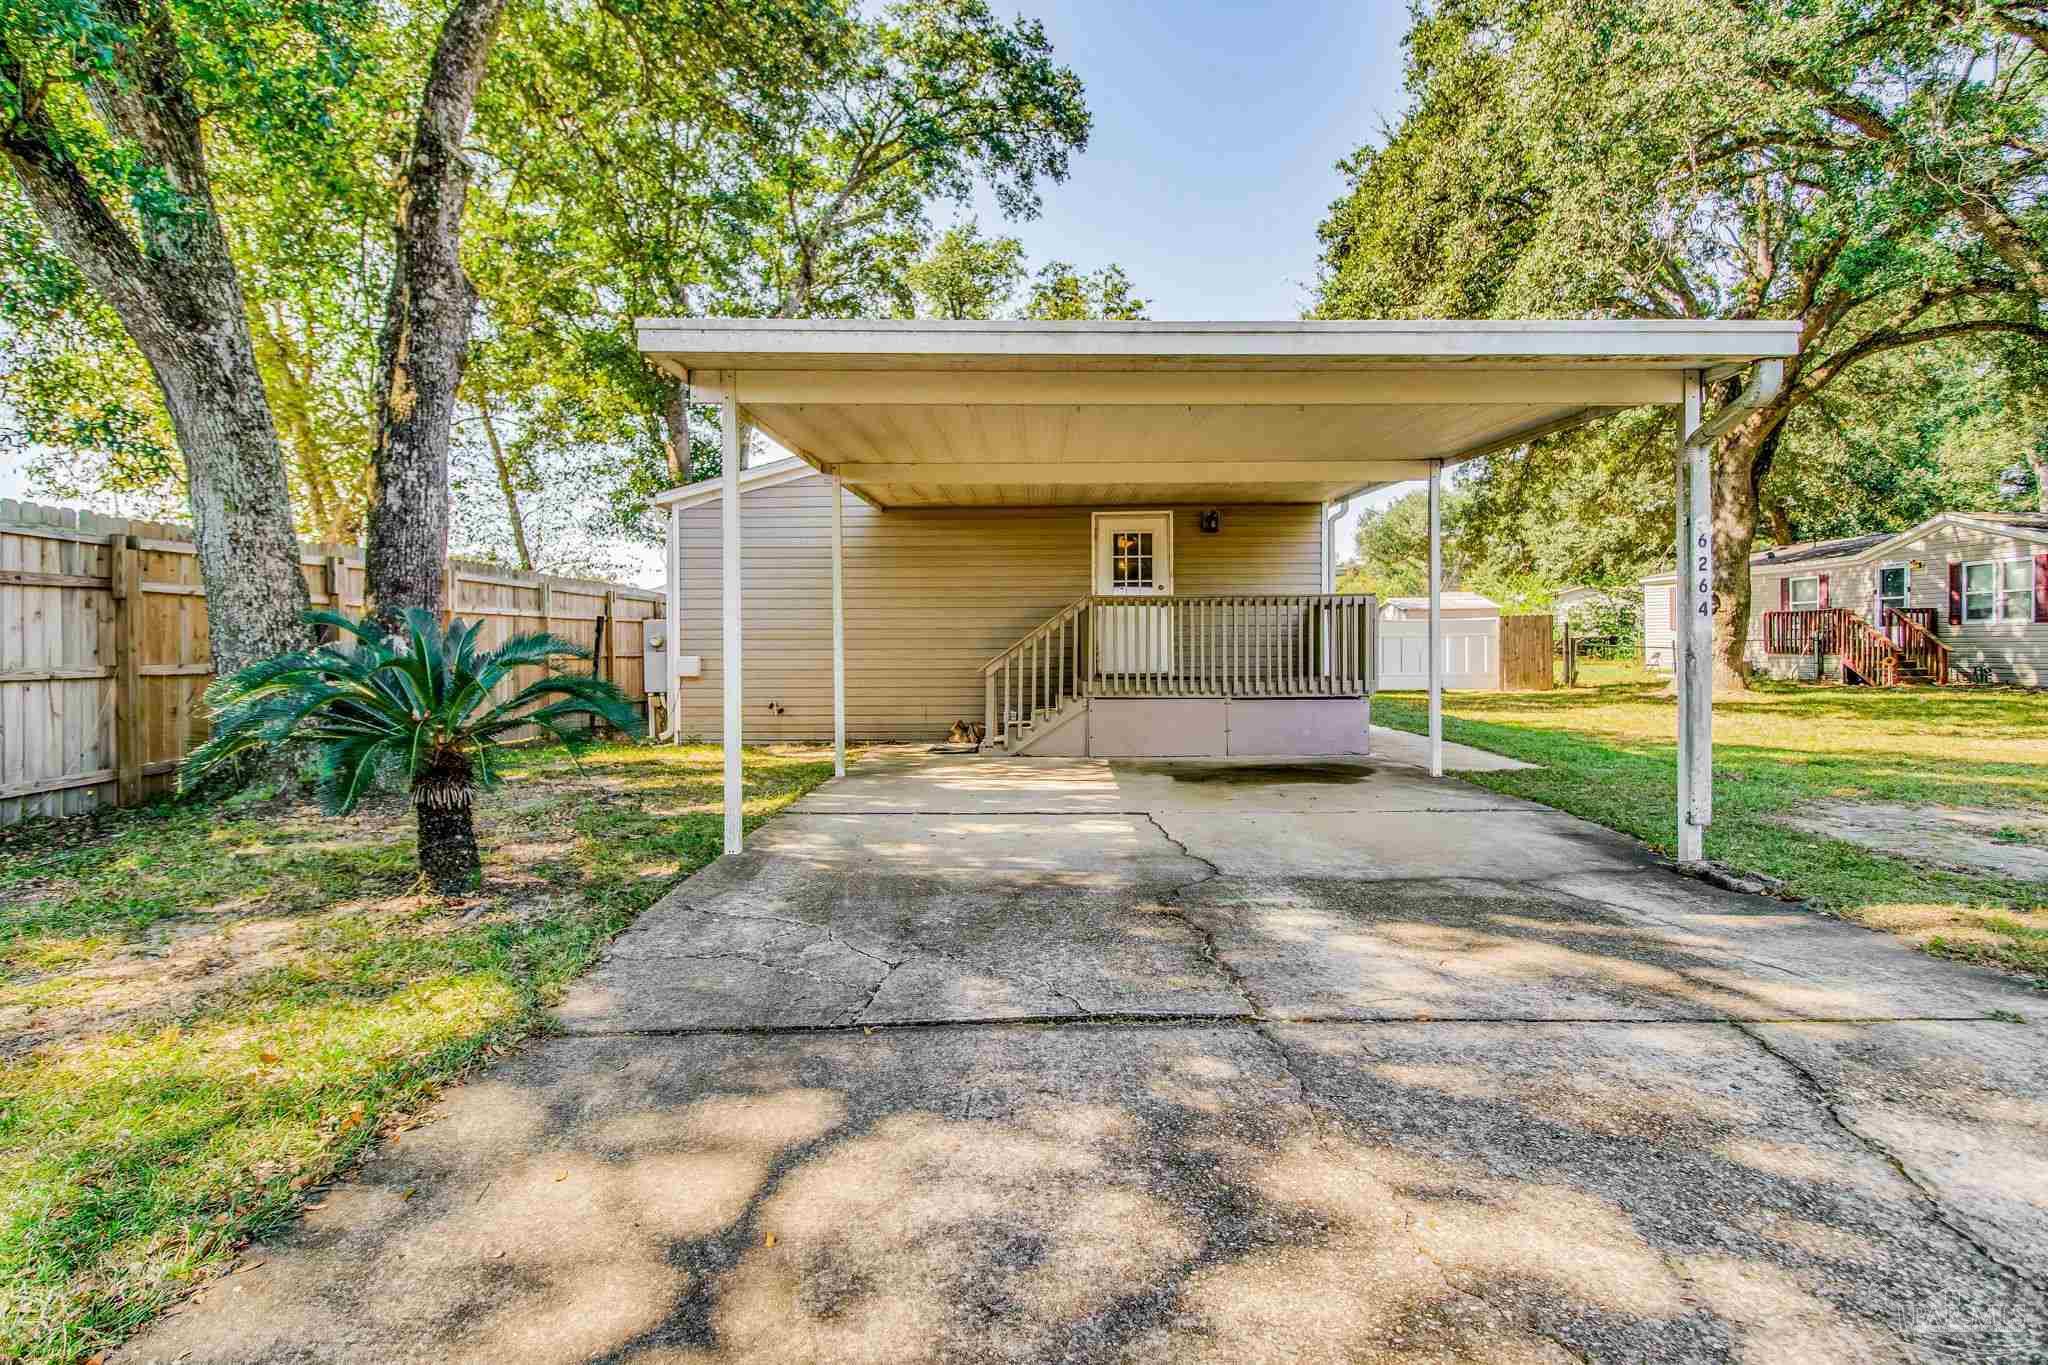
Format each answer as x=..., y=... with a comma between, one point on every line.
x=1131, y=562
x=1891, y=586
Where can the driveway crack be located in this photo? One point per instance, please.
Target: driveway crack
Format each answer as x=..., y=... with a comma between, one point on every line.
x=1943, y=1214
x=1169, y=903
x=907, y=947
x=1480, y=1297
x=876, y=989
x=1320, y=1118
x=782, y=967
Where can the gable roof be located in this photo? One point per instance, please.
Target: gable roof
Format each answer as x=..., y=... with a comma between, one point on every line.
x=710, y=490
x=2030, y=526
x=1845, y=548
x=2029, y=521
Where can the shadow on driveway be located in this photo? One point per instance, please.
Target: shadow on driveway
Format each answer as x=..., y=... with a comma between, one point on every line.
x=961, y=1064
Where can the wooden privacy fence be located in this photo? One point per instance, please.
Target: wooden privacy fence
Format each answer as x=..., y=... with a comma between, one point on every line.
x=104, y=659
x=1525, y=653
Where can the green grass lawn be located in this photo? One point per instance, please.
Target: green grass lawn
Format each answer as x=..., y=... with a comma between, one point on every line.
x=1608, y=753
x=208, y=1011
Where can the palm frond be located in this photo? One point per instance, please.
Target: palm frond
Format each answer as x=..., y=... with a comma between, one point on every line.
x=537, y=648
x=423, y=628
x=347, y=769
x=369, y=629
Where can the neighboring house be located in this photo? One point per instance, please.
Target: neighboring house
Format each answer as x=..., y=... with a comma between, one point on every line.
x=1458, y=606
x=1960, y=591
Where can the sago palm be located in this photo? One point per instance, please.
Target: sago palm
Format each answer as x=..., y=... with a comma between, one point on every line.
x=420, y=701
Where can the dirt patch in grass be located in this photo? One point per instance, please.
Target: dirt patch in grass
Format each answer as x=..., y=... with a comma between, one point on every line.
x=208, y=1011
x=1996, y=843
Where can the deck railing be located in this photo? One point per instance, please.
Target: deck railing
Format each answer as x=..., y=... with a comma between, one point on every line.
x=1798, y=632
x=1912, y=632
x=1874, y=655
x=1244, y=645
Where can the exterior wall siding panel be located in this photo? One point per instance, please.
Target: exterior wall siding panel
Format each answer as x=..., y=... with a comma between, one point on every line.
x=931, y=595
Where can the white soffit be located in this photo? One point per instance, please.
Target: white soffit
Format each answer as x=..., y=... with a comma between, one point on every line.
x=1010, y=413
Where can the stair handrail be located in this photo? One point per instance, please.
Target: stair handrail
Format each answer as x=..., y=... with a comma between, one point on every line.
x=1925, y=644
x=1046, y=663
x=1065, y=613
x=1866, y=649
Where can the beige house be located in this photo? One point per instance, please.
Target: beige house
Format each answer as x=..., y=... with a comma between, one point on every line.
x=1961, y=595
x=1109, y=538
x=933, y=594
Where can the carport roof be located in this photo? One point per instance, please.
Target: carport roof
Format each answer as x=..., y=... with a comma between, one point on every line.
x=1122, y=413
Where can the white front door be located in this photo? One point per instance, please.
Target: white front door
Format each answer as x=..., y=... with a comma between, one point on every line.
x=1894, y=591
x=1134, y=559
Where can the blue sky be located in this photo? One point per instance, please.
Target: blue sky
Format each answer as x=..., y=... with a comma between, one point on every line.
x=1217, y=131
x=1218, y=127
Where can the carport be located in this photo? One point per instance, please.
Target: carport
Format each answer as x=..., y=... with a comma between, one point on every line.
x=1112, y=414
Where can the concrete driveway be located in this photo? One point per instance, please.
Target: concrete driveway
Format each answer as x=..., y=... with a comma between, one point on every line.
x=974, y=1060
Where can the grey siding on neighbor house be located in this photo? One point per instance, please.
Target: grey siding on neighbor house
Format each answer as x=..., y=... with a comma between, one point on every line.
x=931, y=595
x=2015, y=651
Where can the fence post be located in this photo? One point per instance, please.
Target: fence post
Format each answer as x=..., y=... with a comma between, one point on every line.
x=125, y=577
x=609, y=625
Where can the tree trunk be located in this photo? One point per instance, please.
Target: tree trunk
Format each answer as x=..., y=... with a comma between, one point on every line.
x=512, y=515
x=180, y=300
x=1781, y=523
x=447, y=833
x=2037, y=460
x=443, y=794
x=1738, y=465
x=425, y=340
x=675, y=419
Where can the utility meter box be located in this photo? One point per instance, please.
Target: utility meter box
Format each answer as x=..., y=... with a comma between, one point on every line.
x=655, y=660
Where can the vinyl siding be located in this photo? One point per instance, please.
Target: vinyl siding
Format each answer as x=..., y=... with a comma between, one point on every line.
x=1657, y=624
x=932, y=594
x=2015, y=651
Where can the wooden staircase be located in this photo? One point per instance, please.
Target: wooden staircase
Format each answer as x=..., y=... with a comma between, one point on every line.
x=1037, y=685
x=1904, y=650
x=1259, y=645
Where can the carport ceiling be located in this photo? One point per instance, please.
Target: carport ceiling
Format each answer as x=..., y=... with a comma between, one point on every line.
x=1036, y=414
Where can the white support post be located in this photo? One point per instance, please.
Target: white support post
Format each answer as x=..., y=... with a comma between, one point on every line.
x=1329, y=561
x=1436, y=619
x=731, y=645
x=1693, y=632
x=674, y=642
x=838, y=628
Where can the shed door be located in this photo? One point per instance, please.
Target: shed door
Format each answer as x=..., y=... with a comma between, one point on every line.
x=1134, y=559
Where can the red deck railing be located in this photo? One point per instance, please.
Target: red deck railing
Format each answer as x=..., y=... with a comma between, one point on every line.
x=1866, y=651
x=1797, y=632
x=1912, y=631
x=1876, y=656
